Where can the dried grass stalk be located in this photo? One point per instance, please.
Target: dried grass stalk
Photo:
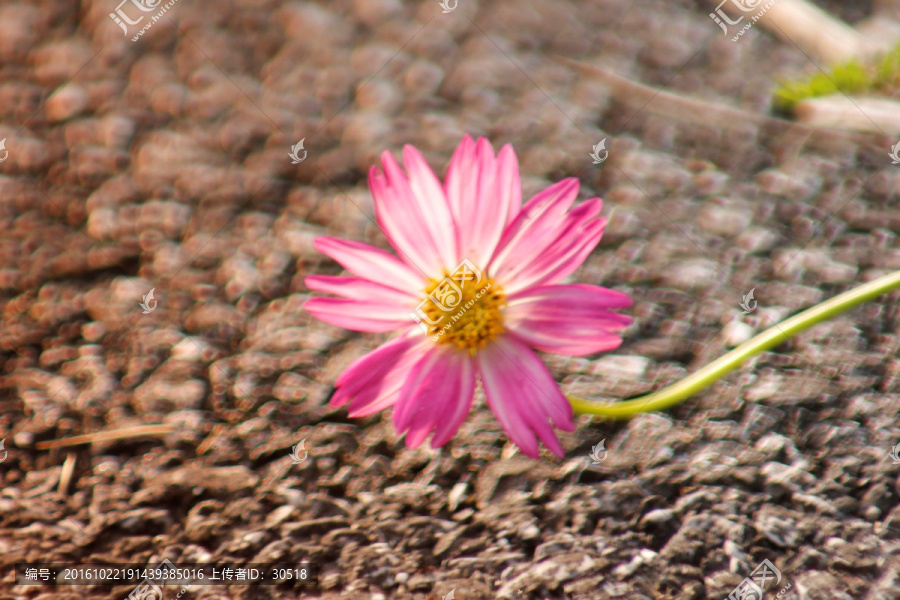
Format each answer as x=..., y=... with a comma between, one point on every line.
x=691, y=110
x=105, y=436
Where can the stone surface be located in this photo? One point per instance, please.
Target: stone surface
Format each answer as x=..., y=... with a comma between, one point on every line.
x=163, y=165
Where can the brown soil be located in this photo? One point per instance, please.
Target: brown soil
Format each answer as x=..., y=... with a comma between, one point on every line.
x=162, y=164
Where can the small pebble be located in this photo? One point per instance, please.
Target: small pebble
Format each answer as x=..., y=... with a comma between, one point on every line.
x=456, y=495
x=423, y=77
x=67, y=102
x=736, y=333
x=658, y=516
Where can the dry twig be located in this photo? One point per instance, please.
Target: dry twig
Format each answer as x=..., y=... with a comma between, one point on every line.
x=699, y=112
x=105, y=436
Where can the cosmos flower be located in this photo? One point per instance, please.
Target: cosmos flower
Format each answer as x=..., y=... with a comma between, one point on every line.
x=472, y=291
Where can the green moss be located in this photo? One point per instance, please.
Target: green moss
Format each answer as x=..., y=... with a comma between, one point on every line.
x=850, y=78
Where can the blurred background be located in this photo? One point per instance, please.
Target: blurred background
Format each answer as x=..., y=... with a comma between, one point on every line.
x=162, y=185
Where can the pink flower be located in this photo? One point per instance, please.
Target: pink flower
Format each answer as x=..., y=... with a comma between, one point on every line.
x=472, y=290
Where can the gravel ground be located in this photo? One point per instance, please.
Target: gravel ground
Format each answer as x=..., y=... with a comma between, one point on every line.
x=162, y=164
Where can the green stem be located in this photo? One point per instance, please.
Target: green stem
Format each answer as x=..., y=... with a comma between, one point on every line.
x=690, y=385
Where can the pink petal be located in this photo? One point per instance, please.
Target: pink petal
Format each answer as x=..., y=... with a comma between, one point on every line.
x=483, y=215
x=356, y=288
x=418, y=225
x=462, y=180
x=398, y=215
x=560, y=259
x=437, y=396
x=509, y=184
x=368, y=403
x=371, y=263
x=360, y=372
x=435, y=207
x=485, y=195
x=567, y=319
x=542, y=214
x=523, y=396
x=538, y=242
x=359, y=315
x=372, y=382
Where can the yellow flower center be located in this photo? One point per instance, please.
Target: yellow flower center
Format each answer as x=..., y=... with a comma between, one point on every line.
x=463, y=309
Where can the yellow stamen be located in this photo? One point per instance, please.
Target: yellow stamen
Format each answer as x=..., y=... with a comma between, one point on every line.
x=464, y=309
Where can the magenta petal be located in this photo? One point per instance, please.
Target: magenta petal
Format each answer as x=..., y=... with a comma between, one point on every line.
x=484, y=194
x=461, y=182
x=359, y=315
x=371, y=263
x=356, y=288
x=398, y=215
x=560, y=259
x=436, y=397
x=408, y=219
x=483, y=215
x=380, y=360
x=433, y=201
x=545, y=433
x=509, y=184
x=568, y=319
x=369, y=403
x=372, y=382
x=523, y=395
x=541, y=244
x=543, y=214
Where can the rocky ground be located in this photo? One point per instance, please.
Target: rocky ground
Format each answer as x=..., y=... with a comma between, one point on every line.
x=163, y=164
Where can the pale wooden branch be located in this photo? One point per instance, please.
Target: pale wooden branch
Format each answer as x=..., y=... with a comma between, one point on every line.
x=876, y=115
x=881, y=30
x=824, y=38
